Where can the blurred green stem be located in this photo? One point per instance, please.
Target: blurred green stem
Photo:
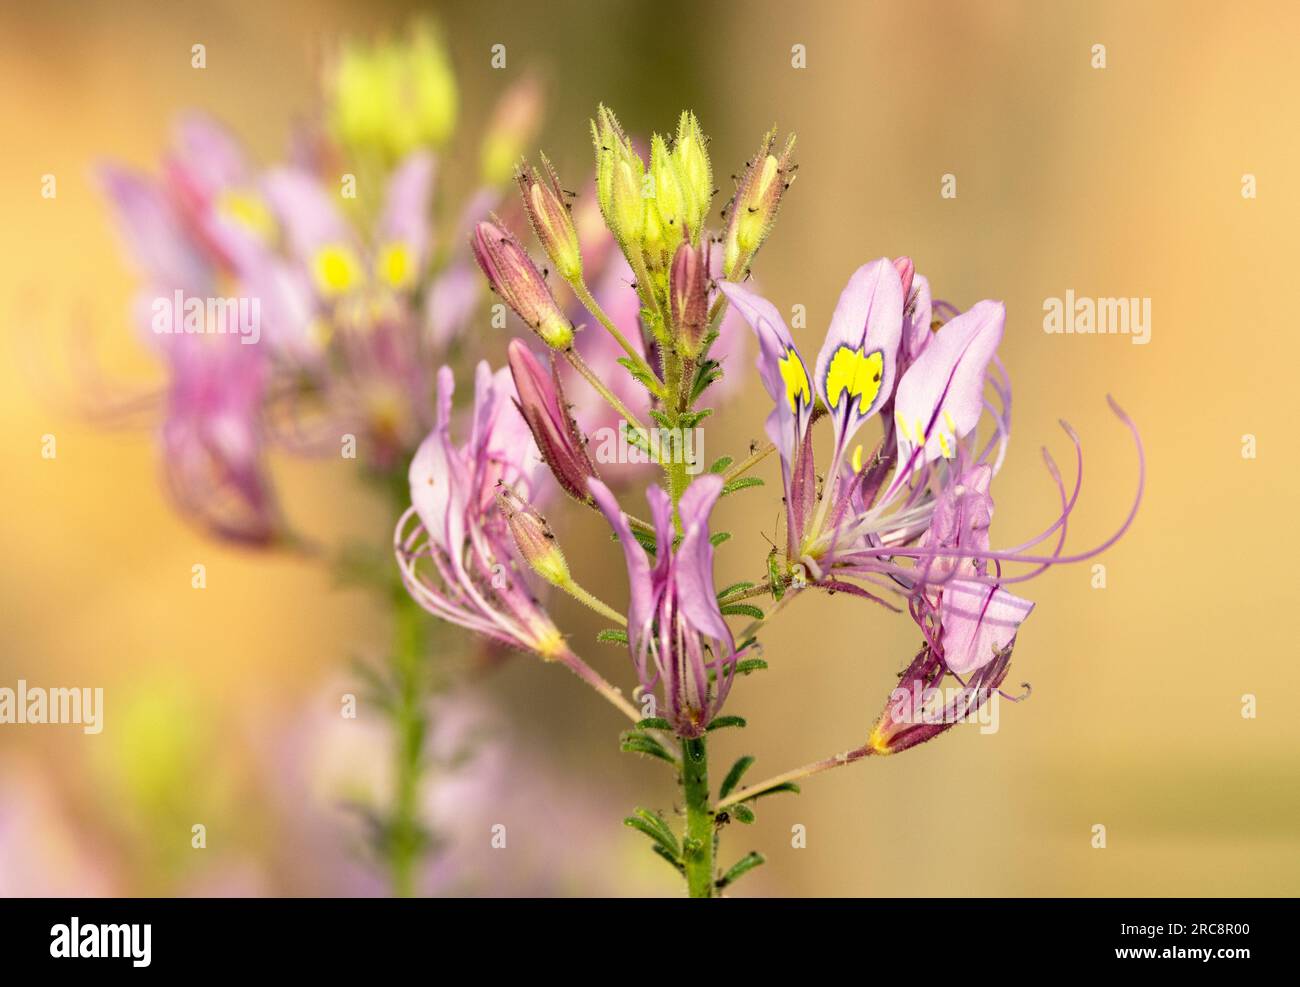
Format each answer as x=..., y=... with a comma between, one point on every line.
x=406, y=841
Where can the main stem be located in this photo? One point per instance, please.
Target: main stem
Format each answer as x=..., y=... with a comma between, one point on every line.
x=697, y=847
x=405, y=838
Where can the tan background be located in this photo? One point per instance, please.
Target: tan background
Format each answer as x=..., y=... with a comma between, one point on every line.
x=1122, y=181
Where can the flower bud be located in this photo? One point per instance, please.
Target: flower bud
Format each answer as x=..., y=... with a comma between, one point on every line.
x=513, y=126
x=668, y=205
x=619, y=181
x=514, y=277
x=906, y=272
x=919, y=710
x=695, y=175
x=549, y=214
x=534, y=538
x=753, y=209
x=393, y=97
x=542, y=404
x=628, y=221
x=688, y=295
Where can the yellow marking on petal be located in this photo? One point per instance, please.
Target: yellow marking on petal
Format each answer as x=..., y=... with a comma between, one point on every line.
x=857, y=459
x=901, y=422
x=797, y=386
x=857, y=372
x=952, y=425
x=396, y=265
x=335, y=269
x=944, y=447
x=247, y=210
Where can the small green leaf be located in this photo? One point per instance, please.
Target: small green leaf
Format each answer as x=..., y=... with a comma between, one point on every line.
x=640, y=743
x=738, y=769
x=718, y=538
x=705, y=374
x=743, y=813
x=690, y=419
x=720, y=465
x=653, y=825
x=750, y=665
x=722, y=722
x=646, y=379
x=646, y=541
x=677, y=864
x=787, y=786
x=740, y=483
x=734, y=588
x=612, y=635
x=654, y=723
x=743, y=609
x=741, y=867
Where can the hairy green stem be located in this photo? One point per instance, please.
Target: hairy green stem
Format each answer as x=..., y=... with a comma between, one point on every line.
x=590, y=376
x=697, y=846
x=589, y=302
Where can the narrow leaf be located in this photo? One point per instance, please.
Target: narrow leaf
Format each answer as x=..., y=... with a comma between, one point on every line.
x=720, y=465
x=741, y=867
x=640, y=743
x=740, y=483
x=722, y=722
x=677, y=865
x=654, y=827
x=734, y=588
x=737, y=771
x=743, y=609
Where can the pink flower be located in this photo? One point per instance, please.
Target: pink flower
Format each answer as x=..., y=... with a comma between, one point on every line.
x=676, y=633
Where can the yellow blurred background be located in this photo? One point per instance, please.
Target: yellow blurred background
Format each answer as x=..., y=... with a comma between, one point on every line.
x=1117, y=181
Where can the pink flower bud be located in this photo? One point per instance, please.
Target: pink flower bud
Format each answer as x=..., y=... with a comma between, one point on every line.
x=688, y=295
x=514, y=277
x=541, y=402
x=906, y=272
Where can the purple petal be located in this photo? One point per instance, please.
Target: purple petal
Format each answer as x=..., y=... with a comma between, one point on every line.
x=942, y=394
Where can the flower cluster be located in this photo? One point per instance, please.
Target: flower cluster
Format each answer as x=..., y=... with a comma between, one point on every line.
x=902, y=520
x=301, y=305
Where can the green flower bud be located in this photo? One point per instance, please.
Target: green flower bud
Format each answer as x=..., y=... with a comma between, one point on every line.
x=620, y=178
x=394, y=97
x=669, y=196
x=628, y=220
x=695, y=175
x=548, y=212
x=753, y=209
